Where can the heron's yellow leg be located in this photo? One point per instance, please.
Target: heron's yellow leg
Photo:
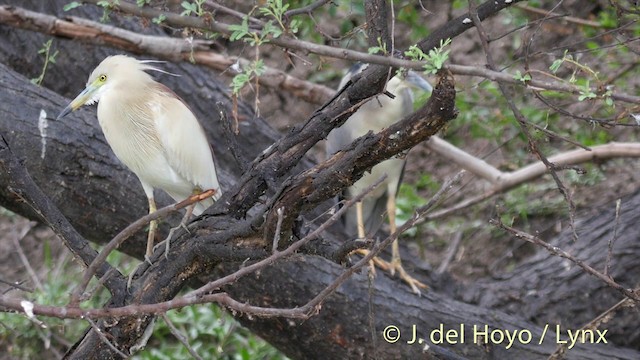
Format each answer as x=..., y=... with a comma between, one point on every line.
x=183, y=224
x=360, y=220
x=376, y=261
x=153, y=226
x=396, y=261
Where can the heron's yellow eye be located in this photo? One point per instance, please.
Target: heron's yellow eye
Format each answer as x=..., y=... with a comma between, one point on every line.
x=102, y=78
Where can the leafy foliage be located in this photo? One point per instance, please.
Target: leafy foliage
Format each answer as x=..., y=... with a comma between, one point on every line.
x=211, y=332
x=435, y=59
x=49, y=58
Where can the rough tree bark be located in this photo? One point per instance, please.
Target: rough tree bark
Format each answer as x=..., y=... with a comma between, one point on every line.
x=100, y=197
x=547, y=289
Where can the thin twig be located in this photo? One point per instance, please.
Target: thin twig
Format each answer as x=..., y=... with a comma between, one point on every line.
x=522, y=121
x=313, y=305
x=182, y=338
x=614, y=237
x=240, y=15
x=124, y=235
x=199, y=296
x=566, y=18
x=215, y=285
x=305, y=9
x=15, y=285
x=603, y=318
x=276, y=237
x=16, y=238
x=561, y=253
x=451, y=252
x=104, y=339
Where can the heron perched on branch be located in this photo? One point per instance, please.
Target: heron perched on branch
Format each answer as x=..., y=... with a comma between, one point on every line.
x=152, y=131
x=375, y=115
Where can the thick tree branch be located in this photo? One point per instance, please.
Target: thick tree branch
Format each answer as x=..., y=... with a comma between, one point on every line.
x=327, y=179
x=341, y=328
x=22, y=186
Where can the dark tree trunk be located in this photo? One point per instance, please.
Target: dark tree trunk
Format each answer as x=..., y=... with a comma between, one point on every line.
x=547, y=289
x=100, y=197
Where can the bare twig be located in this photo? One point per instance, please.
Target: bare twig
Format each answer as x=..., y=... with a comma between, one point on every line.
x=276, y=237
x=522, y=121
x=561, y=253
x=599, y=320
x=16, y=237
x=164, y=47
x=182, y=338
x=15, y=285
x=614, y=237
x=451, y=252
x=566, y=18
x=104, y=339
x=305, y=9
x=240, y=15
x=215, y=285
x=124, y=235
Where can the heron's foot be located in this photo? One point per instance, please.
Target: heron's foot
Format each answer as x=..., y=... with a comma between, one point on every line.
x=375, y=262
x=164, y=243
x=396, y=266
x=183, y=225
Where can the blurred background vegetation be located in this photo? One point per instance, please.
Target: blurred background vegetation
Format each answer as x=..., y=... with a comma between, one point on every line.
x=597, y=51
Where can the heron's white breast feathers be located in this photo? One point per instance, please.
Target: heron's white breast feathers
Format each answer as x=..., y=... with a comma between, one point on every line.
x=156, y=136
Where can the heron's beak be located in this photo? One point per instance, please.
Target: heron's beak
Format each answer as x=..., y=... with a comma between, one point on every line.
x=84, y=97
x=417, y=81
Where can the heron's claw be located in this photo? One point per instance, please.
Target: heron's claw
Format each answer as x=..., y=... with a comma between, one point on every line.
x=415, y=284
x=396, y=265
x=392, y=267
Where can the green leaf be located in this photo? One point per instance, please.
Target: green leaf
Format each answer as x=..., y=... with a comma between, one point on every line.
x=270, y=30
x=523, y=78
x=159, y=19
x=188, y=8
x=259, y=67
x=238, y=82
x=608, y=100
x=239, y=31
x=556, y=65
x=72, y=5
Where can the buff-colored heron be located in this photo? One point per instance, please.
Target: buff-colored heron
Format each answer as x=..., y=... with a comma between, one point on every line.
x=152, y=131
x=375, y=115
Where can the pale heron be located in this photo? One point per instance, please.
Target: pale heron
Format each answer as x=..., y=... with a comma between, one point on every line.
x=375, y=115
x=152, y=131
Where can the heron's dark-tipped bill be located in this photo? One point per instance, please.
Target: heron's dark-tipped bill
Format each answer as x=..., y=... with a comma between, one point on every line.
x=82, y=98
x=417, y=81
